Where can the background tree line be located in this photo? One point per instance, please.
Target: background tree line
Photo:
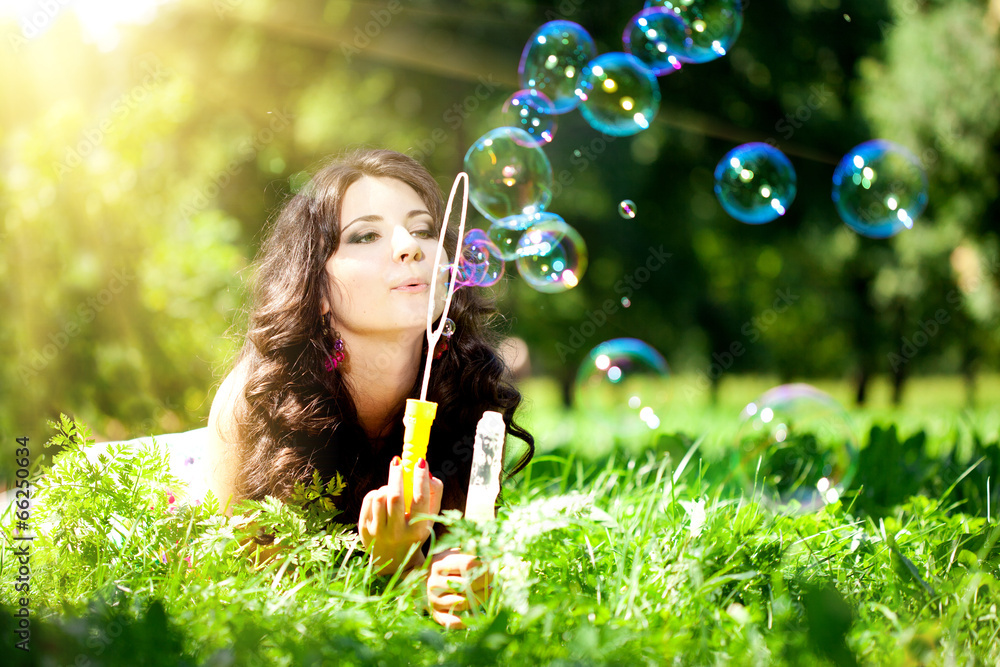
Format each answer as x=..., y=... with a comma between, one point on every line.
x=135, y=186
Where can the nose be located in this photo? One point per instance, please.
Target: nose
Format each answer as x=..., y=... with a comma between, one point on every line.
x=404, y=246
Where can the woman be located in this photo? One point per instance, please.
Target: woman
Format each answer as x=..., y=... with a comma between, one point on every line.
x=336, y=344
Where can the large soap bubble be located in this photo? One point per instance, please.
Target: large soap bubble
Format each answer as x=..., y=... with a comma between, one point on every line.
x=712, y=27
x=506, y=232
x=879, y=189
x=624, y=381
x=532, y=112
x=553, y=59
x=508, y=174
x=480, y=264
x=551, y=256
x=755, y=183
x=655, y=35
x=795, y=450
x=620, y=95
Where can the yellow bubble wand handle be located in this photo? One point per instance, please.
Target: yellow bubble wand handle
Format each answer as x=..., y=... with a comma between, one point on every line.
x=420, y=413
x=417, y=420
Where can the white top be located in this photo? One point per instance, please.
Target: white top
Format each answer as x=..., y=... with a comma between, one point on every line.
x=188, y=458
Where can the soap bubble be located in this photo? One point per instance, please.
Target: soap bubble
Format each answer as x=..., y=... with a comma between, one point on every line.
x=448, y=330
x=620, y=95
x=755, y=183
x=508, y=174
x=879, y=189
x=480, y=264
x=506, y=232
x=553, y=59
x=532, y=112
x=712, y=26
x=795, y=449
x=654, y=36
x=551, y=256
x=626, y=209
x=624, y=382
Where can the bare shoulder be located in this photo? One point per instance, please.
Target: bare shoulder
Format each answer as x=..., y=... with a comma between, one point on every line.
x=223, y=443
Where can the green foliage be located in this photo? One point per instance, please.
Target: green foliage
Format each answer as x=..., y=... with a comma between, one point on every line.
x=627, y=559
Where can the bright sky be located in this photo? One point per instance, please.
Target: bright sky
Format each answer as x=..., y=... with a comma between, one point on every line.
x=98, y=18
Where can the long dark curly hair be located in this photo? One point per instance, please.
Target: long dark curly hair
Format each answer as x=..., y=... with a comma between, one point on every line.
x=298, y=417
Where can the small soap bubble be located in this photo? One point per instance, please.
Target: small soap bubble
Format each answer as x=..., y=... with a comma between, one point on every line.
x=619, y=95
x=553, y=59
x=551, y=256
x=795, y=450
x=626, y=209
x=508, y=174
x=654, y=36
x=880, y=189
x=755, y=183
x=712, y=27
x=506, y=232
x=448, y=330
x=532, y=112
x=480, y=264
x=626, y=302
x=623, y=380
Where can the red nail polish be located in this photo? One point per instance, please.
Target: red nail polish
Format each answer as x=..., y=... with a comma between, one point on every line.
x=421, y=463
x=396, y=461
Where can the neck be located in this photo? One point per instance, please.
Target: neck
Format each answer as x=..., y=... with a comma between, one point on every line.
x=381, y=372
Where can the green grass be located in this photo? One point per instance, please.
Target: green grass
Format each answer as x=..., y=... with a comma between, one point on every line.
x=622, y=552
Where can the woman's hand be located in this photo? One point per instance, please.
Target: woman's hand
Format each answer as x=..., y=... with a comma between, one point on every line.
x=385, y=526
x=451, y=587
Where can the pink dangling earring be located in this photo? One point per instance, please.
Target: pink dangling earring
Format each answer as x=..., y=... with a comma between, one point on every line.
x=337, y=358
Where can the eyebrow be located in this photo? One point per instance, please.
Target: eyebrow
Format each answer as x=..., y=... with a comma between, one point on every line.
x=378, y=218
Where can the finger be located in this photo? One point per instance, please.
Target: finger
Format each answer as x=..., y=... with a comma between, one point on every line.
x=450, y=603
x=458, y=564
x=438, y=585
x=379, y=512
x=394, y=492
x=437, y=491
x=421, y=489
x=441, y=565
x=364, y=518
x=449, y=621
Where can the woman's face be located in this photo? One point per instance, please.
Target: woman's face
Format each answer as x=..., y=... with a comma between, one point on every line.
x=380, y=274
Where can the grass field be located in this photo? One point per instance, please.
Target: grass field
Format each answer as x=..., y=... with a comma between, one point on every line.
x=608, y=552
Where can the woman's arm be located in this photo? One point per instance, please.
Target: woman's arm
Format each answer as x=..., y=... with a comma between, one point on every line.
x=223, y=450
x=223, y=458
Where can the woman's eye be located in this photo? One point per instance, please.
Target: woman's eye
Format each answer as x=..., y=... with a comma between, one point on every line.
x=424, y=234
x=364, y=238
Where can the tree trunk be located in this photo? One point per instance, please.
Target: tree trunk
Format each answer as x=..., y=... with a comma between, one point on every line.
x=861, y=395
x=898, y=381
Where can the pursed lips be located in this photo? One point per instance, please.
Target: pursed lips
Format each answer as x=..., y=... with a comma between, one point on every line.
x=415, y=285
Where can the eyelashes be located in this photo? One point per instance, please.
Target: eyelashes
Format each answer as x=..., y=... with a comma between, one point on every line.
x=371, y=237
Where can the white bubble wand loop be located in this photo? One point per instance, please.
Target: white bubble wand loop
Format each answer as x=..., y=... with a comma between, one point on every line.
x=434, y=335
x=420, y=412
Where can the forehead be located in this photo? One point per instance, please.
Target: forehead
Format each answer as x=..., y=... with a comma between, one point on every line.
x=385, y=197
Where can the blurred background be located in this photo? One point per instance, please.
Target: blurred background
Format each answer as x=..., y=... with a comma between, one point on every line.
x=144, y=145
